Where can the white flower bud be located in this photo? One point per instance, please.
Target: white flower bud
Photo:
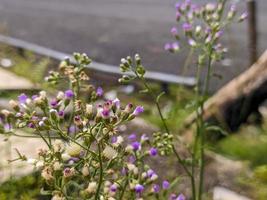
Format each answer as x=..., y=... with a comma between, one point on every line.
x=89, y=109
x=109, y=152
x=43, y=94
x=73, y=149
x=57, y=166
x=65, y=156
x=91, y=187
x=39, y=165
x=60, y=95
x=85, y=170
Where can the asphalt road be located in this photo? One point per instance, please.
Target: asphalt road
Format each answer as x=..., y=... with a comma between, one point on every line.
x=110, y=29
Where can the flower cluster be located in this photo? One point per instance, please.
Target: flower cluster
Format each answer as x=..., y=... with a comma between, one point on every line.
x=86, y=156
x=203, y=26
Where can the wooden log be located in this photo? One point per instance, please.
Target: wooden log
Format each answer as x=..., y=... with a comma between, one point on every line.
x=236, y=101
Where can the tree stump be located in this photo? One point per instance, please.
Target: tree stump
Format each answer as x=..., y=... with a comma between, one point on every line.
x=236, y=101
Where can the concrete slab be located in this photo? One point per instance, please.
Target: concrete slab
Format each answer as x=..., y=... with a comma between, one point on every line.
x=10, y=81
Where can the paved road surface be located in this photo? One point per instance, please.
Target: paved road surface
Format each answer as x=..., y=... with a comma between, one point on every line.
x=110, y=29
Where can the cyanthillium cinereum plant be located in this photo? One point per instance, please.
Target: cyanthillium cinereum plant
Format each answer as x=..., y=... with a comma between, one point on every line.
x=203, y=27
x=87, y=157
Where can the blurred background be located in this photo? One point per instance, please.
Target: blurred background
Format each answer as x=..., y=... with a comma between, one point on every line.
x=108, y=30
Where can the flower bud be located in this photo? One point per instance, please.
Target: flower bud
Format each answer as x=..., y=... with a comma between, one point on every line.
x=14, y=105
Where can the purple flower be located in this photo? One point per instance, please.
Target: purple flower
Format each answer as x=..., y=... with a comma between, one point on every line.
x=105, y=113
x=175, y=46
x=174, y=31
x=156, y=188
x=181, y=197
x=114, y=139
x=168, y=47
x=116, y=103
x=31, y=125
x=53, y=103
x=178, y=6
x=69, y=94
x=187, y=27
x=243, y=16
x=150, y=172
x=165, y=184
x=233, y=8
x=192, y=42
x=22, y=98
x=172, y=197
x=139, y=188
x=113, y=188
x=132, y=137
x=99, y=91
x=34, y=96
x=72, y=129
x=131, y=159
x=178, y=15
x=144, y=138
x=7, y=127
x=61, y=113
x=153, y=151
x=219, y=34
x=138, y=110
x=136, y=146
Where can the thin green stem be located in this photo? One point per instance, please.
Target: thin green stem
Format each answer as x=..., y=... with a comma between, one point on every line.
x=100, y=173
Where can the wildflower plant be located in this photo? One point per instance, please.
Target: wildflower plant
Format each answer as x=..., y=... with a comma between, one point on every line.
x=202, y=26
x=86, y=155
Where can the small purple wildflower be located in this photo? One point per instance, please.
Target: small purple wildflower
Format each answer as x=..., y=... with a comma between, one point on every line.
x=139, y=188
x=132, y=137
x=243, y=16
x=172, y=197
x=144, y=138
x=181, y=197
x=138, y=110
x=31, y=125
x=136, y=146
x=53, y=103
x=72, y=129
x=61, y=113
x=114, y=139
x=168, y=47
x=233, y=8
x=165, y=184
x=69, y=94
x=116, y=103
x=174, y=31
x=156, y=188
x=99, y=91
x=131, y=159
x=178, y=6
x=153, y=151
x=219, y=34
x=105, y=113
x=192, y=42
x=34, y=96
x=7, y=127
x=113, y=188
x=150, y=173
x=187, y=27
x=178, y=16
x=175, y=46
x=22, y=98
